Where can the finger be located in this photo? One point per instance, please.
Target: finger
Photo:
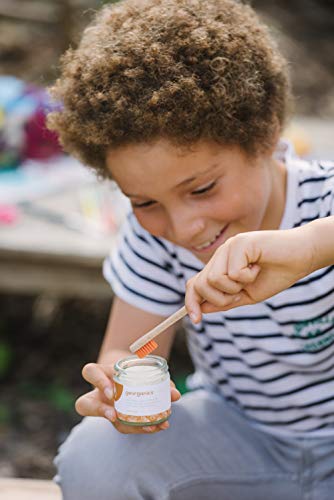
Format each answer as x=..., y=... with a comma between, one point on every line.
x=192, y=302
x=220, y=281
x=248, y=274
x=175, y=394
x=242, y=262
x=90, y=405
x=164, y=426
x=149, y=429
x=212, y=295
x=153, y=429
x=210, y=308
x=242, y=299
x=230, y=302
x=127, y=429
x=95, y=375
x=156, y=428
x=133, y=429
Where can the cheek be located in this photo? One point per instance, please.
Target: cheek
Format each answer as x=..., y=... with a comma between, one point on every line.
x=255, y=205
x=232, y=207
x=152, y=222
x=246, y=206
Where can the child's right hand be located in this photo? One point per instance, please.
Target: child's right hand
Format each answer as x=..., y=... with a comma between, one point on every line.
x=100, y=401
x=250, y=268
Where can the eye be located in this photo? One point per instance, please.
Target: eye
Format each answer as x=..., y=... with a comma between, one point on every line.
x=205, y=188
x=142, y=205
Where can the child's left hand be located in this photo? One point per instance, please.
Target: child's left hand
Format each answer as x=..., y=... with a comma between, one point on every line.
x=250, y=268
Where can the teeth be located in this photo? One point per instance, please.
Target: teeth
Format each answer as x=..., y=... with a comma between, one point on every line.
x=208, y=243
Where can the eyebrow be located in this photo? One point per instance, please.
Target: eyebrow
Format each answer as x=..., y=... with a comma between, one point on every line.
x=182, y=183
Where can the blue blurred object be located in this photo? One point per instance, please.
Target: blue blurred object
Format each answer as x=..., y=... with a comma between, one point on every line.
x=23, y=132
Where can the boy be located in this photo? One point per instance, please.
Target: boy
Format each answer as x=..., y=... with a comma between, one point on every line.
x=182, y=103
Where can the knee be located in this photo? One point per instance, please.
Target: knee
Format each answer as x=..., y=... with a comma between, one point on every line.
x=86, y=462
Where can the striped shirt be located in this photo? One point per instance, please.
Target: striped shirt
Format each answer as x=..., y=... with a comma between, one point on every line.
x=274, y=361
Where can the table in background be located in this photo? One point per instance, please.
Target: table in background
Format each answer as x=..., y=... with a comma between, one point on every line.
x=40, y=257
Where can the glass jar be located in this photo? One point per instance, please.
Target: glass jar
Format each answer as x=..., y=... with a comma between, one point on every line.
x=142, y=390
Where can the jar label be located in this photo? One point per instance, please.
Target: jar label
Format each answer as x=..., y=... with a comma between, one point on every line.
x=142, y=400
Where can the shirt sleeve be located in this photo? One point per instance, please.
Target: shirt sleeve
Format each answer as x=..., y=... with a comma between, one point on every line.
x=328, y=188
x=140, y=271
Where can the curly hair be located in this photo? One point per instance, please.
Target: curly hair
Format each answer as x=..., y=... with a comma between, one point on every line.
x=183, y=70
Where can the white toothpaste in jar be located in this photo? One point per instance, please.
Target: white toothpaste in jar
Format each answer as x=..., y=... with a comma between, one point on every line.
x=142, y=390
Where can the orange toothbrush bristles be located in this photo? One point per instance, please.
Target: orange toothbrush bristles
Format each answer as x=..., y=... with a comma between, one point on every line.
x=147, y=349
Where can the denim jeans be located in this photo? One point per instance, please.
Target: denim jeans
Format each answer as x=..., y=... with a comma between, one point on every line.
x=209, y=452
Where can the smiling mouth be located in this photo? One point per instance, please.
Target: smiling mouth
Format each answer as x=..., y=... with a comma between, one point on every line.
x=209, y=244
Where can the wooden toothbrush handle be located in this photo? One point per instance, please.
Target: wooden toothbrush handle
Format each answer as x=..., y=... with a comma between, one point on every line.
x=179, y=314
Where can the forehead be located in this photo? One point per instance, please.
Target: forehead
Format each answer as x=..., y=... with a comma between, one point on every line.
x=166, y=162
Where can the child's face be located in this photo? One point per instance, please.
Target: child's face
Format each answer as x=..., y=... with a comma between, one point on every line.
x=201, y=197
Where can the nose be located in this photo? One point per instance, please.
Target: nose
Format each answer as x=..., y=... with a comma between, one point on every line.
x=184, y=226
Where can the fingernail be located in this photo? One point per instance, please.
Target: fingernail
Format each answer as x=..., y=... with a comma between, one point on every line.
x=148, y=429
x=110, y=414
x=193, y=316
x=237, y=298
x=109, y=393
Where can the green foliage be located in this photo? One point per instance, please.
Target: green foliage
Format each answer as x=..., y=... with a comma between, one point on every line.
x=32, y=390
x=61, y=397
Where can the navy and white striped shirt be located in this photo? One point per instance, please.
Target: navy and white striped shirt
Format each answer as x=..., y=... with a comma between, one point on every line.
x=273, y=360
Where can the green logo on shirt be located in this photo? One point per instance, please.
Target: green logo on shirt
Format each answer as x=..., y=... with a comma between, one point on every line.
x=310, y=330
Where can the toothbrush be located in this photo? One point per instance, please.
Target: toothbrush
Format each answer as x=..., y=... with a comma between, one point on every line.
x=145, y=344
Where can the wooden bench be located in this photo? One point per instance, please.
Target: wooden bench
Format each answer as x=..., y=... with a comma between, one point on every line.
x=28, y=489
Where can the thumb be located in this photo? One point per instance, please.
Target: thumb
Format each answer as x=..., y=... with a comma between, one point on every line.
x=193, y=301
x=207, y=307
x=241, y=299
x=247, y=274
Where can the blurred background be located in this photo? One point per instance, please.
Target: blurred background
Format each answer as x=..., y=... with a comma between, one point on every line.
x=57, y=222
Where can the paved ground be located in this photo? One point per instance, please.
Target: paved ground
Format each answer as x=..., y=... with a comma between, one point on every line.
x=26, y=489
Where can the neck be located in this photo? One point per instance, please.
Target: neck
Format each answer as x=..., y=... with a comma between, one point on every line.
x=276, y=205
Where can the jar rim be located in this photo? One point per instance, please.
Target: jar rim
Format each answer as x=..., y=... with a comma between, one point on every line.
x=150, y=360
